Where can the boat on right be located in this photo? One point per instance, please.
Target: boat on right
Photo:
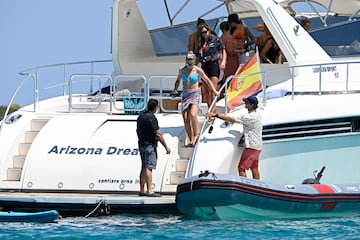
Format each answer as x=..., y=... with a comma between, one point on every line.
x=311, y=130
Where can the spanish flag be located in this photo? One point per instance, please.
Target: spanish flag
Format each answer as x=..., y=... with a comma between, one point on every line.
x=244, y=85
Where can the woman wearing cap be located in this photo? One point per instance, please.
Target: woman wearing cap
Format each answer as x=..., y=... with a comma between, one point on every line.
x=210, y=50
x=252, y=123
x=191, y=95
x=242, y=35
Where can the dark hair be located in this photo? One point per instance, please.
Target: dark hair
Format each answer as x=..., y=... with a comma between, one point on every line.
x=199, y=21
x=152, y=104
x=234, y=18
x=225, y=26
x=304, y=21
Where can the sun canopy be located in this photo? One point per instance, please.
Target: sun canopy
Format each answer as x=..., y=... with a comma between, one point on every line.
x=245, y=9
x=340, y=7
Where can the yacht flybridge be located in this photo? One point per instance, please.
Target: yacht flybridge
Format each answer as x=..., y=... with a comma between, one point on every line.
x=77, y=152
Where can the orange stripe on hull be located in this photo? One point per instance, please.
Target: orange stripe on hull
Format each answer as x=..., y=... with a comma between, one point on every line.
x=325, y=189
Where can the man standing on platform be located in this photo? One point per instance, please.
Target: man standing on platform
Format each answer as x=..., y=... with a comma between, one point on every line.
x=149, y=134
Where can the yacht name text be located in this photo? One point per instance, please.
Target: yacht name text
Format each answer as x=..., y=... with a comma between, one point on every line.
x=111, y=150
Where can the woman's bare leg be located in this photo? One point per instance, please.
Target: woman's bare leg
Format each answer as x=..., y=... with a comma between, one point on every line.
x=193, y=115
x=188, y=128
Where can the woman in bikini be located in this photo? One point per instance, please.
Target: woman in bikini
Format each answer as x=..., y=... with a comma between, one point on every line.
x=191, y=95
x=242, y=35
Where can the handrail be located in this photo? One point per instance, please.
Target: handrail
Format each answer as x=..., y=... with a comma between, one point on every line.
x=140, y=96
x=281, y=31
x=162, y=79
x=98, y=77
x=14, y=95
x=24, y=72
x=65, y=67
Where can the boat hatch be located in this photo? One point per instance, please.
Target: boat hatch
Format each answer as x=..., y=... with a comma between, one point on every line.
x=311, y=128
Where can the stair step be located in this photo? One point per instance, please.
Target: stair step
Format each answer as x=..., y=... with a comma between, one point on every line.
x=170, y=188
x=18, y=161
x=185, y=152
x=14, y=174
x=176, y=177
x=181, y=165
x=24, y=148
x=30, y=136
x=37, y=124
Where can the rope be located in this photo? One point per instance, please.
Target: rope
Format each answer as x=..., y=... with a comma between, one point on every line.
x=98, y=206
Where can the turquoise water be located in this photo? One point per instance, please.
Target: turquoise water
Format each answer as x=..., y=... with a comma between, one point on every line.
x=180, y=227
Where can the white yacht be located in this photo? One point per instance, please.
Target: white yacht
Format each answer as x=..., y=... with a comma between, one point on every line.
x=76, y=151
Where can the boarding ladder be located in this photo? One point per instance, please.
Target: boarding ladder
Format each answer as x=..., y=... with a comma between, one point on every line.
x=179, y=167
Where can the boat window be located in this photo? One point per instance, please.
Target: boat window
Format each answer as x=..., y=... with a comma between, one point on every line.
x=173, y=40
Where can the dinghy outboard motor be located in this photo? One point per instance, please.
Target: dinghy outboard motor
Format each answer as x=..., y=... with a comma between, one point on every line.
x=315, y=180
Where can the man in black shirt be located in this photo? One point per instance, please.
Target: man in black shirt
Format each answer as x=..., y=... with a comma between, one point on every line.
x=148, y=134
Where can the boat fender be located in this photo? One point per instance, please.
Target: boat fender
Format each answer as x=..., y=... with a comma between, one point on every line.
x=315, y=180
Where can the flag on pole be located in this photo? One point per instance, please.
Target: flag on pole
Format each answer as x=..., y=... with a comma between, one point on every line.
x=243, y=85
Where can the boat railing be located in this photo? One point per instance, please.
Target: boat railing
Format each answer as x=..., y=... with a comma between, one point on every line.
x=99, y=80
x=163, y=91
x=145, y=88
x=66, y=69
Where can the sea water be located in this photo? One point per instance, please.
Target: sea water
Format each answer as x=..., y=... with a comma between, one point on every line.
x=180, y=227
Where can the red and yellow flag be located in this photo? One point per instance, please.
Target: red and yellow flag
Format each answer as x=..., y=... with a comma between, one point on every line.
x=244, y=86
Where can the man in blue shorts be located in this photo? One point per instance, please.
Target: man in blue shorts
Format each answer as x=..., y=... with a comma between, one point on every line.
x=149, y=134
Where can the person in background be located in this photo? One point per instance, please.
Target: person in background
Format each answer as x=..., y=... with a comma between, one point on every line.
x=148, y=135
x=242, y=35
x=269, y=50
x=252, y=122
x=259, y=27
x=306, y=24
x=190, y=75
x=211, y=48
x=193, y=38
x=232, y=52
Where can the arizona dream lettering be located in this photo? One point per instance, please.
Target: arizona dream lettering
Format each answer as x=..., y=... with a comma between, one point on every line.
x=92, y=150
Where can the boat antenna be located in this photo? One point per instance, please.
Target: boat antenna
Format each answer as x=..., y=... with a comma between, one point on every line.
x=168, y=12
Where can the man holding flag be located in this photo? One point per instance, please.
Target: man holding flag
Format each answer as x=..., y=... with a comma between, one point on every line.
x=243, y=88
